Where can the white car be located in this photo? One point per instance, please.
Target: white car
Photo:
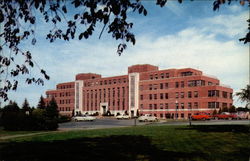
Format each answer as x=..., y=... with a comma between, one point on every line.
x=120, y=117
x=84, y=118
x=147, y=117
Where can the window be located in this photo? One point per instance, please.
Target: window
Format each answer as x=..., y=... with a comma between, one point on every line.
x=182, y=84
x=189, y=105
x=161, y=106
x=166, y=105
x=213, y=104
x=176, y=84
x=176, y=95
x=186, y=73
x=155, y=96
x=151, y=77
x=150, y=106
x=189, y=94
x=141, y=106
x=156, y=76
x=182, y=115
x=194, y=83
x=195, y=94
x=177, y=105
x=224, y=104
x=210, y=83
x=150, y=96
x=224, y=94
x=182, y=94
x=182, y=105
x=162, y=75
x=161, y=95
x=155, y=86
x=161, y=85
x=161, y=115
x=150, y=86
x=166, y=95
x=231, y=96
x=213, y=93
x=155, y=106
x=167, y=75
x=141, y=97
x=196, y=105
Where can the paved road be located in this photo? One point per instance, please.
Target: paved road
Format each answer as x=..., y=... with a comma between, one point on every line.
x=99, y=123
x=110, y=123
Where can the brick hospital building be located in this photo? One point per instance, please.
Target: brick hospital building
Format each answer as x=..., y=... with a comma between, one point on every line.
x=169, y=93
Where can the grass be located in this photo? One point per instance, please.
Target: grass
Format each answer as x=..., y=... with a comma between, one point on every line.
x=11, y=133
x=149, y=143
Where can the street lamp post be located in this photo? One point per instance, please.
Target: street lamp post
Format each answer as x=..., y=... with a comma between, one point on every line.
x=176, y=103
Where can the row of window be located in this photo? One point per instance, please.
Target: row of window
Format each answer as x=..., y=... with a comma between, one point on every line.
x=61, y=94
x=161, y=75
x=190, y=94
x=155, y=106
x=65, y=86
x=119, y=104
x=104, y=93
x=66, y=101
x=64, y=109
x=181, y=84
x=106, y=82
x=218, y=104
x=216, y=93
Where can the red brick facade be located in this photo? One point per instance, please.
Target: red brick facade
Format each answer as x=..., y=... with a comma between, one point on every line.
x=172, y=93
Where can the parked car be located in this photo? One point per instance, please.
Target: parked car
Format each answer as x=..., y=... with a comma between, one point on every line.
x=147, y=117
x=225, y=116
x=120, y=117
x=84, y=118
x=201, y=116
x=243, y=115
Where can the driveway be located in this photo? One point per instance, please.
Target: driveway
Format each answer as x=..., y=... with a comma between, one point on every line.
x=112, y=122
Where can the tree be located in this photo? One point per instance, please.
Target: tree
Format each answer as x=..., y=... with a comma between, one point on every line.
x=232, y=109
x=19, y=20
x=214, y=112
x=41, y=103
x=26, y=106
x=51, y=110
x=244, y=95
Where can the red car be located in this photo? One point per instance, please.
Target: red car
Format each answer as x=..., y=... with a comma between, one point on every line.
x=201, y=116
x=225, y=116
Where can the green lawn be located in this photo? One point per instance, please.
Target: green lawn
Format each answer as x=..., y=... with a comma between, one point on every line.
x=148, y=143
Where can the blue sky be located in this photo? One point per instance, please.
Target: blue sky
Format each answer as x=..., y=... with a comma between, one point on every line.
x=183, y=35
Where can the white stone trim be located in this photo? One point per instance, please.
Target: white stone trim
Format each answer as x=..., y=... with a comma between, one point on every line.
x=79, y=101
x=134, y=107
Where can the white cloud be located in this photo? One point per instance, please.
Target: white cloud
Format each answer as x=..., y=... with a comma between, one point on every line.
x=232, y=26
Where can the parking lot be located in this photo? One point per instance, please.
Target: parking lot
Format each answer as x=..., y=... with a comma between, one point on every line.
x=112, y=122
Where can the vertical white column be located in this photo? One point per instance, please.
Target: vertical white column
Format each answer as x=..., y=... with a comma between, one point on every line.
x=79, y=96
x=133, y=93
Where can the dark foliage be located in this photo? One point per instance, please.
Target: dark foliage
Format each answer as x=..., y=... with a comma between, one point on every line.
x=41, y=103
x=13, y=118
x=51, y=111
x=19, y=20
x=26, y=106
